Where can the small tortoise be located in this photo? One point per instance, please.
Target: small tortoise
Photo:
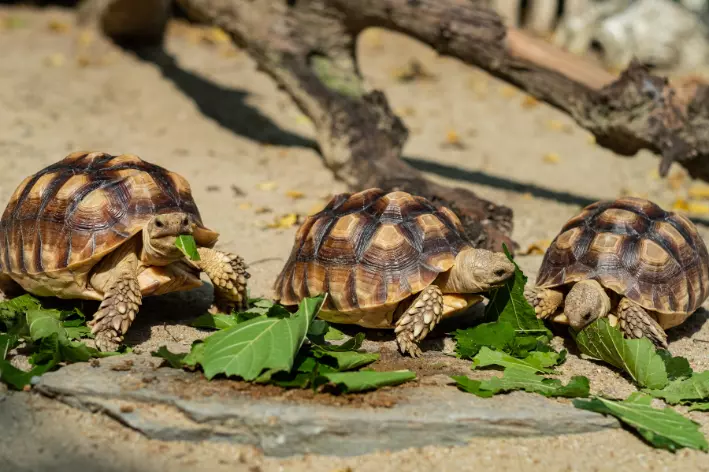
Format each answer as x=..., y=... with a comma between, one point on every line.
x=645, y=268
x=100, y=227
x=388, y=260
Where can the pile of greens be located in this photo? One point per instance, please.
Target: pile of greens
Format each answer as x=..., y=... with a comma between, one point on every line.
x=516, y=341
x=267, y=344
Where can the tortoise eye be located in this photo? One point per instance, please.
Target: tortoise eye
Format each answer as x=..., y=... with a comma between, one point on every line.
x=158, y=223
x=185, y=222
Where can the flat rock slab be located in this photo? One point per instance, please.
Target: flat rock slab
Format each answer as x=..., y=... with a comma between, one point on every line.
x=171, y=404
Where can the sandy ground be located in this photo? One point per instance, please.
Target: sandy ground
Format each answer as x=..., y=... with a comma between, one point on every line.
x=204, y=111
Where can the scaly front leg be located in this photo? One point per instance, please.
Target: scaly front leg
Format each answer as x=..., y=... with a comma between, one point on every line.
x=228, y=275
x=635, y=322
x=419, y=319
x=544, y=300
x=121, y=301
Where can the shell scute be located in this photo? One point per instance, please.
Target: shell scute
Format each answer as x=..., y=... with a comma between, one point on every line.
x=370, y=249
x=635, y=248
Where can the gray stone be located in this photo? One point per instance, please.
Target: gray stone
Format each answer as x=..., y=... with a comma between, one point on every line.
x=171, y=404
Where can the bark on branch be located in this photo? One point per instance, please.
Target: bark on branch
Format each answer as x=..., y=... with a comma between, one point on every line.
x=307, y=47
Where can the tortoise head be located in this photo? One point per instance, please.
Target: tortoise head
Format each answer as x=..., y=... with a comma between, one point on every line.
x=160, y=234
x=478, y=270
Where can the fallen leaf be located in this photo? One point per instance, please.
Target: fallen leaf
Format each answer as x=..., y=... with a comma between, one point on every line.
x=262, y=210
x=551, y=158
x=558, y=125
x=244, y=206
x=284, y=222
x=267, y=186
x=591, y=139
x=216, y=35
x=55, y=60
x=638, y=357
x=57, y=26
x=295, y=194
x=453, y=140
x=699, y=191
x=508, y=91
x=537, y=247
x=529, y=102
x=412, y=71
x=664, y=428
x=698, y=208
x=316, y=208
x=680, y=205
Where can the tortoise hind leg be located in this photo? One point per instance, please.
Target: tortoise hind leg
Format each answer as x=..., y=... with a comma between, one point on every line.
x=418, y=320
x=635, y=322
x=544, y=300
x=118, y=280
x=228, y=275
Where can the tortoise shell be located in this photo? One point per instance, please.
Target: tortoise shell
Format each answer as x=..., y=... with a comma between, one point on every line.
x=370, y=249
x=73, y=212
x=634, y=248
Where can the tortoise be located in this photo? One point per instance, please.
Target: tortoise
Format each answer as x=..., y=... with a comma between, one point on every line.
x=388, y=260
x=645, y=268
x=102, y=227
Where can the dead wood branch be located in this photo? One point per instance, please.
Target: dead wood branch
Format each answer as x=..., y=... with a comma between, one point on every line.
x=307, y=47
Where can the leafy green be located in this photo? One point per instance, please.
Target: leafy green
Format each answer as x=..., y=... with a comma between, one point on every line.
x=701, y=406
x=17, y=378
x=508, y=304
x=176, y=361
x=11, y=311
x=676, y=367
x=496, y=335
x=695, y=387
x=187, y=245
x=44, y=323
x=499, y=335
x=515, y=378
x=215, y=321
x=534, y=362
x=344, y=360
x=637, y=357
x=365, y=379
x=262, y=343
x=663, y=428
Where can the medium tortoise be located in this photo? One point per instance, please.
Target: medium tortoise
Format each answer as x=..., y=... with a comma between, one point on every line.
x=388, y=260
x=101, y=227
x=645, y=268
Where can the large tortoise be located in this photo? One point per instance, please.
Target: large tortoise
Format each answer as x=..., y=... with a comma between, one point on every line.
x=388, y=260
x=645, y=268
x=101, y=227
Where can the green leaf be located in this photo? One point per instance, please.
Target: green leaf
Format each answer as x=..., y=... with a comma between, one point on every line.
x=7, y=342
x=262, y=343
x=507, y=303
x=637, y=357
x=44, y=323
x=17, y=378
x=187, y=245
x=11, y=309
x=676, y=367
x=176, y=361
x=534, y=362
x=497, y=335
x=216, y=321
x=351, y=344
x=515, y=378
x=366, y=379
x=469, y=385
x=196, y=354
x=694, y=388
x=347, y=360
x=699, y=406
x=334, y=334
x=663, y=428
